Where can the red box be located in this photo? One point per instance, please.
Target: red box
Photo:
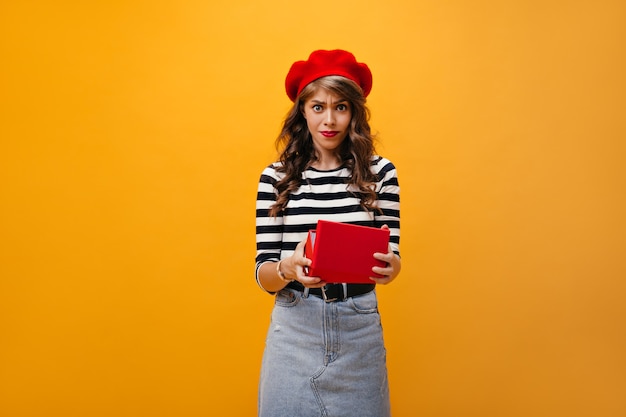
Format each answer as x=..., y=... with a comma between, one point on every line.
x=342, y=252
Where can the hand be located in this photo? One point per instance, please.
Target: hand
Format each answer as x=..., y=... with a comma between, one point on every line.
x=391, y=271
x=294, y=268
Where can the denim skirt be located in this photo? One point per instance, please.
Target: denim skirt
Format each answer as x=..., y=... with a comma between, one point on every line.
x=324, y=359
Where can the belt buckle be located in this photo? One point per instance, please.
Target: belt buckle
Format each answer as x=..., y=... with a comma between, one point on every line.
x=344, y=290
x=325, y=297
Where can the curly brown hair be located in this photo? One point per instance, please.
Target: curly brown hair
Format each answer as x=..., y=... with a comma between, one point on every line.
x=355, y=151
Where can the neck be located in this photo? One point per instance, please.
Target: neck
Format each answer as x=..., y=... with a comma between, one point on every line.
x=326, y=162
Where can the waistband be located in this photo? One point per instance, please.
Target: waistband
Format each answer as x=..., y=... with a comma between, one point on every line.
x=334, y=292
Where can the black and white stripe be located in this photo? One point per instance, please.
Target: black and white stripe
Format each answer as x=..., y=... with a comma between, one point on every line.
x=322, y=195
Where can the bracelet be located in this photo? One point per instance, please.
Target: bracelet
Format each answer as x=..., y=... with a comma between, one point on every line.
x=280, y=273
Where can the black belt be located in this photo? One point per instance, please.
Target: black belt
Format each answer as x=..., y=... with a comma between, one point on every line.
x=334, y=292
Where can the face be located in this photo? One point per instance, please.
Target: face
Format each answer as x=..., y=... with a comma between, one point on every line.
x=328, y=119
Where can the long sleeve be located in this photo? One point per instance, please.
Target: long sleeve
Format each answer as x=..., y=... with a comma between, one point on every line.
x=388, y=190
x=269, y=230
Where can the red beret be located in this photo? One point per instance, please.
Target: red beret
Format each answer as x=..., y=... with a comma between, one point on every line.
x=322, y=63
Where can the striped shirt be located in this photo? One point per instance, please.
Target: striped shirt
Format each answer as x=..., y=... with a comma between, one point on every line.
x=322, y=195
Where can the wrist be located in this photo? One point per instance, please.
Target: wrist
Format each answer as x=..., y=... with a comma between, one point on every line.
x=280, y=273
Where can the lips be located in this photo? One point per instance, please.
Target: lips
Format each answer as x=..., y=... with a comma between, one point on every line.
x=329, y=133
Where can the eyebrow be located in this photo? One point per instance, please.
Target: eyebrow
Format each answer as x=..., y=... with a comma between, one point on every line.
x=324, y=102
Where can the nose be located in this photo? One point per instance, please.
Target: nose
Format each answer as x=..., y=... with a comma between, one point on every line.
x=329, y=120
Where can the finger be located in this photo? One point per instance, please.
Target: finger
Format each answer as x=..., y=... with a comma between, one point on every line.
x=383, y=256
x=381, y=281
x=306, y=280
x=318, y=285
x=381, y=270
x=313, y=283
x=300, y=249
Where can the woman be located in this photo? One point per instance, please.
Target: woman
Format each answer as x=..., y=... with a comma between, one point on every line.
x=324, y=353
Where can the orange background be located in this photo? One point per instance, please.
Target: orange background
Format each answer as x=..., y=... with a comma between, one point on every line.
x=132, y=137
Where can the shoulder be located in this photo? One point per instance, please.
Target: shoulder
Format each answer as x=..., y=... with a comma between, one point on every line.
x=272, y=173
x=382, y=166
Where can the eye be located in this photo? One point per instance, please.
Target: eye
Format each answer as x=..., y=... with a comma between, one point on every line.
x=342, y=107
x=317, y=108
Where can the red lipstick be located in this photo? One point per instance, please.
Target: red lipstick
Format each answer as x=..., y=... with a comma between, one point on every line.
x=329, y=133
